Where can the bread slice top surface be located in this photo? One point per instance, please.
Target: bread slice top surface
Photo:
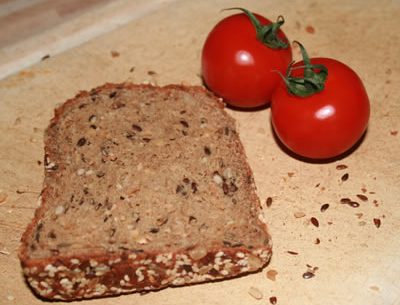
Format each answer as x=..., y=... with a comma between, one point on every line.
x=144, y=169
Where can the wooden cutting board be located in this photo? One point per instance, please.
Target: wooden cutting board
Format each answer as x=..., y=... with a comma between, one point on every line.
x=355, y=261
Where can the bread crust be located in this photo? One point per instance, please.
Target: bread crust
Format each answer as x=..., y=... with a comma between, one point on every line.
x=68, y=277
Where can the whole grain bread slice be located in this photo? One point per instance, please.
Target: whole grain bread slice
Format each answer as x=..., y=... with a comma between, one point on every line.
x=145, y=187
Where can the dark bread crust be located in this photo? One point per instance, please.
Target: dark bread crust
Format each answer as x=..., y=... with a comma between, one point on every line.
x=100, y=273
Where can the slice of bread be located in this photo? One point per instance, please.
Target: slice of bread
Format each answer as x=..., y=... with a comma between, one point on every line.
x=145, y=187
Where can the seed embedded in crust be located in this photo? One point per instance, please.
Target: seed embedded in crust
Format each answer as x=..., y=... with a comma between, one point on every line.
x=217, y=178
x=198, y=253
x=59, y=210
x=81, y=142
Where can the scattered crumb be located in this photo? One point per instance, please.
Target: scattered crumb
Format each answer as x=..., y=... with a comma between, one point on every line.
x=273, y=300
x=394, y=132
x=345, y=177
x=324, y=207
x=3, y=196
x=359, y=215
x=317, y=241
x=307, y=275
x=132, y=69
x=310, y=273
x=377, y=222
x=362, y=223
x=47, y=56
x=17, y=121
x=348, y=201
x=375, y=288
x=268, y=201
x=290, y=174
x=151, y=72
x=4, y=252
x=255, y=293
x=362, y=197
x=114, y=53
x=22, y=191
x=292, y=252
x=299, y=214
x=271, y=274
x=310, y=29
x=314, y=221
x=341, y=166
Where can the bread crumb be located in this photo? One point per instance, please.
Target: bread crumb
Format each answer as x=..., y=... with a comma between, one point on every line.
x=3, y=196
x=273, y=300
x=310, y=29
x=255, y=293
x=114, y=53
x=271, y=274
x=299, y=214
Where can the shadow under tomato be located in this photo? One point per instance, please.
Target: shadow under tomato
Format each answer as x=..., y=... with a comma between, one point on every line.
x=252, y=109
x=235, y=108
x=317, y=161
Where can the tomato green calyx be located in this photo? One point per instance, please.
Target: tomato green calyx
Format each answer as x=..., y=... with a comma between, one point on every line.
x=313, y=80
x=266, y=34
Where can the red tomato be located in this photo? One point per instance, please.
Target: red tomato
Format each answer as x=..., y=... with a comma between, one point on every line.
x=240, y=68
x=325, y=124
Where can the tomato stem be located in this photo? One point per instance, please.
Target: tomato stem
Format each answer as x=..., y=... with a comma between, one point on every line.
x=313, y=80
x=266, y=34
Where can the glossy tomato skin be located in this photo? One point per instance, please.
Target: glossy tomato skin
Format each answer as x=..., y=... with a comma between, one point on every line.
x=328, y=123
x=238, y=67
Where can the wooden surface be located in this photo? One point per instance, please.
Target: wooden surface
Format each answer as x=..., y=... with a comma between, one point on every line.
x=21, y=19
x=356, y=261
x=36, y=29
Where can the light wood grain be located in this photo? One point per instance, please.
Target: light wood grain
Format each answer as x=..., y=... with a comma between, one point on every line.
x=22, y=19
x=47, y=27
